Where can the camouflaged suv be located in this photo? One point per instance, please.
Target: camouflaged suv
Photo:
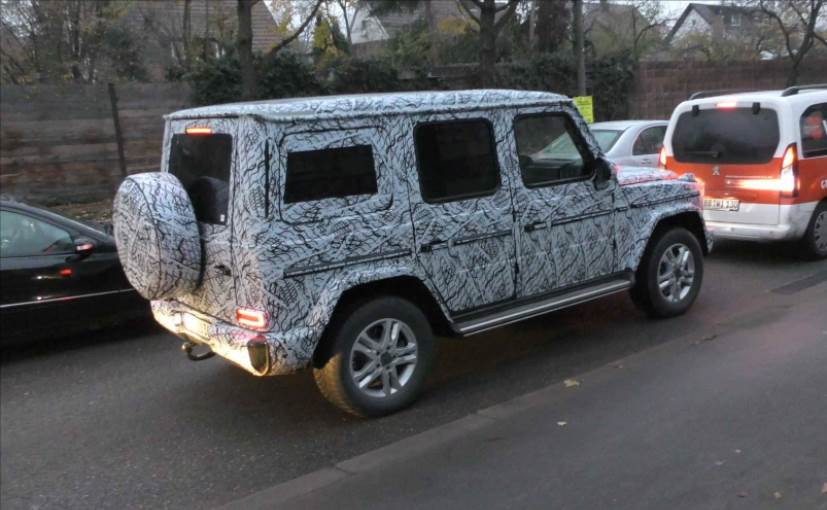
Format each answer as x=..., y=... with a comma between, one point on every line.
x=344, y=233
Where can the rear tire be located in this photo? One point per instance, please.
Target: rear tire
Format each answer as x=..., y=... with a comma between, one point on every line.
x=815, y=239
x=379, y=354
x=670, y=274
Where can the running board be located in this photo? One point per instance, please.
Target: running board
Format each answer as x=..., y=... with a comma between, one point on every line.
x=533, y=309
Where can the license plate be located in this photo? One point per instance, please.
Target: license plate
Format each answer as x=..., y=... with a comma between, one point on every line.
x=721, y=204
x=196, y=326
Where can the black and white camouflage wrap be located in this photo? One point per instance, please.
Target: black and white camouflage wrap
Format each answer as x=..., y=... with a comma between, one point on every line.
x=157, y=235
x=296, y=260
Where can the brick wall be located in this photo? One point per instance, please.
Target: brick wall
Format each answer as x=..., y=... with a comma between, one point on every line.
x=58, y=144
x=660, y=86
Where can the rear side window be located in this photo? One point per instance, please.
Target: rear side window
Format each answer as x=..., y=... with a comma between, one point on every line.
x=733, y=136
x=330, y=173
x=649, y=141
x=456, y=159
x=814, y=131
x=24, y=236
x=202, y=164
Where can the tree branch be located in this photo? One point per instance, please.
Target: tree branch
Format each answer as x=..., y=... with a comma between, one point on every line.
x=298, y=31
x=512, y=7
x=468, y=11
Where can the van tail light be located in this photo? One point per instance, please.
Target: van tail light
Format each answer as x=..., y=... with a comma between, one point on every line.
x=662, y=158
x=788, y=183
x=726, y=105
x=252, y=319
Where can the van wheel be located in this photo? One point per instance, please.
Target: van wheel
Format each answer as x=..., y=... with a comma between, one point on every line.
x=379, y=355
x=670, y=274
x=815, y=239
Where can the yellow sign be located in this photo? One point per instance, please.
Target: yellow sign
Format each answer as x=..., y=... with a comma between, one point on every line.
x=584, y=104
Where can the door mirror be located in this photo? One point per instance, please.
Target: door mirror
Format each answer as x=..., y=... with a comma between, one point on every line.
x=83, y=248
x=603, y=172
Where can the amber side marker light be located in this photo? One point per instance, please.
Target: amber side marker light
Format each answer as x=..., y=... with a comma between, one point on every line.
x=198, y=131
x=251, y=319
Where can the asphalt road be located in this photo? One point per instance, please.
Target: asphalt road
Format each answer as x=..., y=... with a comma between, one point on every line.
x=121, y=419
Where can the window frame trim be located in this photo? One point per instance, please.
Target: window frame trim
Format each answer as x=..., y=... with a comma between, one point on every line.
x=579, y=141
x=230, y=172
x=466, y=196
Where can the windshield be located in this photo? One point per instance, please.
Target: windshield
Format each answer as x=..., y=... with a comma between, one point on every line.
x=734, y=135
x=606, y=138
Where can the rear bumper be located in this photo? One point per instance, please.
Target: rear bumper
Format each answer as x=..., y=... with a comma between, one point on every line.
x=241, y=346
x=750, y=223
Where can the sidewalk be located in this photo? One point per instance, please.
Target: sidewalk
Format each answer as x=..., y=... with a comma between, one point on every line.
x=738, y=420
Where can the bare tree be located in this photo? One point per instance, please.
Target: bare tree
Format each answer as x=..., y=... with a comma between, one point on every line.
x=489, y=29
x=349, y=9
x=796, y=20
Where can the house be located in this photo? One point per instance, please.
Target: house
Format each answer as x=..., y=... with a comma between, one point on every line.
x=212, y=26
x=703, y=26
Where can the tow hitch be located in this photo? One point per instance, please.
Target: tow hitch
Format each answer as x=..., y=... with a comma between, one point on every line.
x=188, y=348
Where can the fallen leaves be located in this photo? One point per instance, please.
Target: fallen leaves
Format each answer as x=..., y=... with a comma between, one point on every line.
x=824, y=488
x=571, y=383
x=777, y=495
x=561, y=423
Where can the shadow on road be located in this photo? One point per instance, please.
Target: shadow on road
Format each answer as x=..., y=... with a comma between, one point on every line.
x=21, y=349
x=763, y=254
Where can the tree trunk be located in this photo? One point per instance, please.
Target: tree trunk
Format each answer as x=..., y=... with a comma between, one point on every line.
x=430, y=19
x=578, y=47
x=488, y=43
x=245, y=48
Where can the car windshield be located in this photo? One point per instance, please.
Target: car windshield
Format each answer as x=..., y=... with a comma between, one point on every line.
x=606, y=138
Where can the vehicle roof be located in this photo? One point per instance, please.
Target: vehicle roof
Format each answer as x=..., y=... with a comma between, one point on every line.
x=803, y=96
x=358, y=105
x=626, y=124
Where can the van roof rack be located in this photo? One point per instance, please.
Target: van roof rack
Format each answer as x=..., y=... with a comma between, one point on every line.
x=712, y=93
x=791, y=91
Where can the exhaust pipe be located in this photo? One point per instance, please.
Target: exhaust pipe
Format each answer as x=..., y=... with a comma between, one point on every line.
x=188, y=348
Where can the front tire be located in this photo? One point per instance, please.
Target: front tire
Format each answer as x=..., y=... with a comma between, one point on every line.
x=670, y=274
x=815, y=239
x=379, y=356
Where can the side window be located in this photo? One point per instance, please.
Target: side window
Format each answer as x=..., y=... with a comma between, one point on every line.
x=24, y=236
x=814, y=131
x=550, y=150
x=649, y=141
x=456, y=160
x=329, y=173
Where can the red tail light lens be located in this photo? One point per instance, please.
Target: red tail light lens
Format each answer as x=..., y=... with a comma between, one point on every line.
x=788, y=181
x=662, y=158
x=252, y=319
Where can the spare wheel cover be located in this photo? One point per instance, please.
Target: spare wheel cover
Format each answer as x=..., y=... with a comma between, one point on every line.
x=157, y=235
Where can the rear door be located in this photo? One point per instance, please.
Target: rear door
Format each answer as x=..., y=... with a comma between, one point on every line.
x=203, y=154
x=462, y=212
x=736, y=150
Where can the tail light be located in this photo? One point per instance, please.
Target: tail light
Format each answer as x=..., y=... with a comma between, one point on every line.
x=252, y=319
x=788, y=181
x=662, y=158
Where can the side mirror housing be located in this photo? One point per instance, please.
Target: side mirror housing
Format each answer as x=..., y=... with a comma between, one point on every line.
x=603, y=172
x=83, y=248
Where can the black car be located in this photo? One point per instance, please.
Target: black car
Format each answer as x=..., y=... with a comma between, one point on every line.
x=58, y=275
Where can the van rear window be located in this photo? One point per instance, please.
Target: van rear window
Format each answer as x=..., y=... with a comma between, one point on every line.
x=202, y=164
x=733, y=136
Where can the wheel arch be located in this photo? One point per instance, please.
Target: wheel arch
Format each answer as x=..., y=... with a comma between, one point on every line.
x=405, y=286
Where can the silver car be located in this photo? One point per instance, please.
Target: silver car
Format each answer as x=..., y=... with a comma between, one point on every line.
x=631, y=142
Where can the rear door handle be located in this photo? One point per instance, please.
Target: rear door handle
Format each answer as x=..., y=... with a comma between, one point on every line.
x=535, y=225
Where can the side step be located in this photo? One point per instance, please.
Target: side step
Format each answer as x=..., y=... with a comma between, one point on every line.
x=556, y=302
